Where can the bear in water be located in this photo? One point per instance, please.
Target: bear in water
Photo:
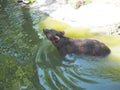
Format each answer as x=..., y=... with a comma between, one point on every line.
x=66, y=45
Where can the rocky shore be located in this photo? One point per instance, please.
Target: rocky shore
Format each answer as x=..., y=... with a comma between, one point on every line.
x=97, y=15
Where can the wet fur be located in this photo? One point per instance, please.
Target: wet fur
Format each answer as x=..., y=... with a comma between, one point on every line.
x=67, y=45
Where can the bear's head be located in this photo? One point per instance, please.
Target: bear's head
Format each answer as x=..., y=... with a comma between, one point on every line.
x=53, y=35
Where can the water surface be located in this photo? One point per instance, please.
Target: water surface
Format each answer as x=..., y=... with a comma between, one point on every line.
x=28, y=61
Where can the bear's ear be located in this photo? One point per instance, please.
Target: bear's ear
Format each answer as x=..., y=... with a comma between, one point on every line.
x=57, y=38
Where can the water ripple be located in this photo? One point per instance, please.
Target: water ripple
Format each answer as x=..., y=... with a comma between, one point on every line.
x=70, y=72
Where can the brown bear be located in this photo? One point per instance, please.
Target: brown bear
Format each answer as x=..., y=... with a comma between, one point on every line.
x=66, y=45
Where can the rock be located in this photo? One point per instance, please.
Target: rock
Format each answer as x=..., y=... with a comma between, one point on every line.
x=45, y=2
x=98, y=16
x=19, y=1
x=23, y=1
x=76, y=3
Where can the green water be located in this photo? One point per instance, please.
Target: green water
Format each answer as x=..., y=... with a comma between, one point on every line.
x=28, y=61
